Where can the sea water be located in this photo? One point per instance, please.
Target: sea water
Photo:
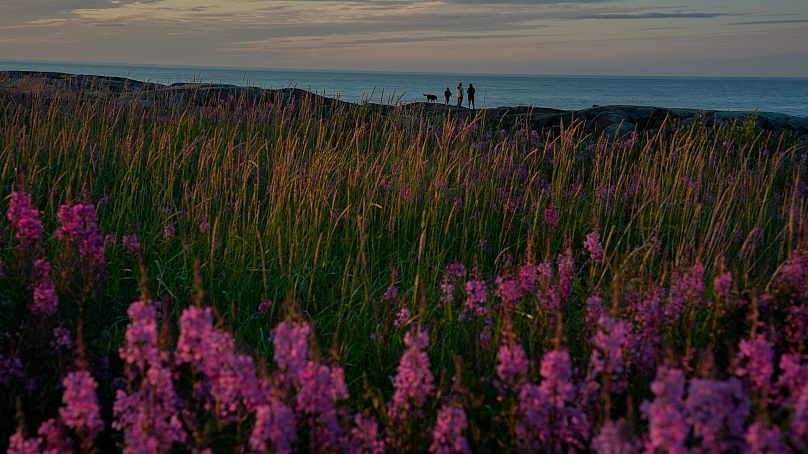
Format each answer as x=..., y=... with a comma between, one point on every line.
x=784, y=95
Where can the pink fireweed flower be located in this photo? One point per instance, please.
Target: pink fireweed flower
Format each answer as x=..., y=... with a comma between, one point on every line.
x=793, y=275
x=78, y=225
x=131, y=242
x=413, y=382
x=320, y=388
x=793, y=377
x=447, y=436
x=230, y=379
x=25, y=218
x=512, y=364
x=592, y=244
x=46, y=300
x=566, y=268
x=275, y=428
x=528, y=280
x=612, y=439
x=61, y=339
x=18, y=444
x=755, y=363
x=364, y=437
x=508, y=290
x=763, y=440
x=81, y=411
x=717, y=410
x=476, y=297
x=150, y=416
x=550, y=217
x=549, y=418
x=686, y=288
x=447, y=292
x=140, y=344
x=723, y=285
x=402, y=317
x=291, y=348
x=169, y=232
x=594, y=309
x=53, y=438
x=611, y=340
x=668, y=428
x=455, y=271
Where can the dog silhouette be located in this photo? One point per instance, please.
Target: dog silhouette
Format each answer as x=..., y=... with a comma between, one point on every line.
x=431, y=98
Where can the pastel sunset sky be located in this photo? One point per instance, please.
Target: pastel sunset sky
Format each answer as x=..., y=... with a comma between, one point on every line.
x=621, y=37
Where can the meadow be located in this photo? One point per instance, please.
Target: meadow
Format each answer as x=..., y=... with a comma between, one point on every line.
x=284, y=276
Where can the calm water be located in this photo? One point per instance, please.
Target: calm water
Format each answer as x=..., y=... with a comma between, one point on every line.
x=785, y=95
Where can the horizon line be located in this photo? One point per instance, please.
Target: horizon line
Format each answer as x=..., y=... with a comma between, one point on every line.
x=435, y=73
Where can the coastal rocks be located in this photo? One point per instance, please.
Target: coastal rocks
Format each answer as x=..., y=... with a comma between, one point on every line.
x=616, y=120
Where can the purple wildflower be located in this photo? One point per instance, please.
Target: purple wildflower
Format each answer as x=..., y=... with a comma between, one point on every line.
x=131, y=242
x=291, y=348
x=717, y=410
x=686, y=288
x=78, y=225
x=548, y=416
x=447, y=436
x=723, y=285
x=169, y=232
x=81, y=411
x=364, y=437
x=763, y=440
x=528, y=278
x=274, y=429
x=25, y=218
x=512, y=364
x=508, y=290
x=612, y=439
x=476, y=296
x=610, y=342
x=140, y=344
x=320, y=388
x=668, y=428
x=566, y=267
x=550, y=217
x=447, y=292
x=755, y=363
x=592, y=244
x=18, y=444
x=456, y=271
x=413, y=382
x=53, y=438
x=61, y=339
x=402, y=318
x=45, y=301
x=265, y=307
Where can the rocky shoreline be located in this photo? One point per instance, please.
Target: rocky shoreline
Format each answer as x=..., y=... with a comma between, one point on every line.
x=614, y=119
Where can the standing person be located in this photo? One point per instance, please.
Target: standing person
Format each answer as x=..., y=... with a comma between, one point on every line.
x=447, y=94
x=471, y=92
x=460, y=94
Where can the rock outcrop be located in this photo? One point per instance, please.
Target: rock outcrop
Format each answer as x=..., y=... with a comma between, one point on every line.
x=614, y=120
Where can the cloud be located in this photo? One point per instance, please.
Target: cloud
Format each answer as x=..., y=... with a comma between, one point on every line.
x=772, y=22
x=649, y=15
x=18, y=12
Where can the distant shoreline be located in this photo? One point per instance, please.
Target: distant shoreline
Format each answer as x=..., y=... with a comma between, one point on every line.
x=615, y=119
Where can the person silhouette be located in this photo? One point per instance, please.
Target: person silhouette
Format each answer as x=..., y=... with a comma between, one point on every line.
x=460, y=94
x=447, y=94
x=471, y=92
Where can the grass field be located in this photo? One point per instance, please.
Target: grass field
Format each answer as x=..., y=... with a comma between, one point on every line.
x=433, y=283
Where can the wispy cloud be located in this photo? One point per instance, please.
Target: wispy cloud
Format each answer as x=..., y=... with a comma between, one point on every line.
x=772, y=22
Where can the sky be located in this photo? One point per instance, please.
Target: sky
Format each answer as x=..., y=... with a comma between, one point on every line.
x=616, y=37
